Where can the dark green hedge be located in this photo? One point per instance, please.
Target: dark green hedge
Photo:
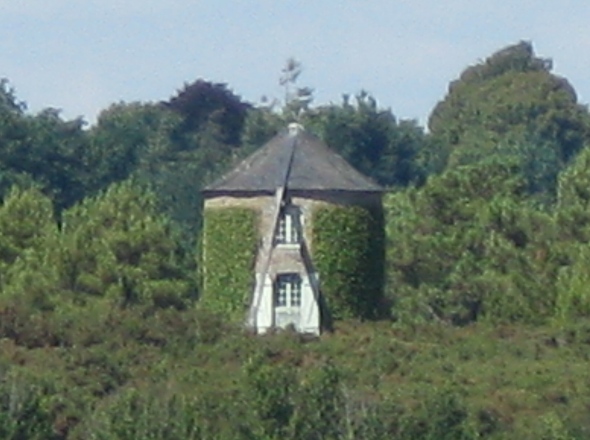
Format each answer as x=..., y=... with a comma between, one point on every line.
x=348, y=251
x=229, y=245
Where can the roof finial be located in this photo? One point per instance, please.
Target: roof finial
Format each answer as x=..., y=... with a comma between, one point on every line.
x=295, y=128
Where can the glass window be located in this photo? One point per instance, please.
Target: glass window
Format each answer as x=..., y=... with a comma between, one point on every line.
x=282, y=289
x=296, y=293
x=289, y=228
x=288, y=290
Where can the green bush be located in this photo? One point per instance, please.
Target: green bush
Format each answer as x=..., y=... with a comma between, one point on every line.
x=23, y=414
x=118, y=246
x=441, y=415
x=139, y=414
x=468, y=246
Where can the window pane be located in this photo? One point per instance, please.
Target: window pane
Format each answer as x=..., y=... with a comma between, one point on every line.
x=289, y=227
x=281, y=293
x=288, y=290
x=296, y=292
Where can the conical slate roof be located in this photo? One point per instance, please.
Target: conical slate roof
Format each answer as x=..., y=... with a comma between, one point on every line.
x=300, y=160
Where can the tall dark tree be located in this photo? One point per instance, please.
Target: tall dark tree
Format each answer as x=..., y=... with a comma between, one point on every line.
x=123, y=135
x=151, y=144
x=54, y=153
x=371, y=139
x=43, y=148
x=12, y=129
x=510, y=98
x=211, y=107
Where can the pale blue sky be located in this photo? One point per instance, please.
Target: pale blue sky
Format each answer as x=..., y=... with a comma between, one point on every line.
x=81, y=56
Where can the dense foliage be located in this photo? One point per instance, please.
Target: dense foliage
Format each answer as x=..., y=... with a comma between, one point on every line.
x=380, y=146
x=188, y=375
x=510, y=97
x=467, y=246
x=230, y=240
x=483, y=332
x=210, y=109
x=348, y=255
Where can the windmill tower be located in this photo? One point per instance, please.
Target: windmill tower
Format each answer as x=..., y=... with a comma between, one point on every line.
x=284, y=183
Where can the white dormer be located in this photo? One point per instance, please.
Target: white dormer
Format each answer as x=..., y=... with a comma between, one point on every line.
x=289, y=226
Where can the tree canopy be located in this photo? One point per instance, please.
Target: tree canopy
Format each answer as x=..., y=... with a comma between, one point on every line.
x=510, y=98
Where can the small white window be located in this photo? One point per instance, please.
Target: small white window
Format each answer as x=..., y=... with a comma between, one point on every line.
x=288, y=290
x=289, y=227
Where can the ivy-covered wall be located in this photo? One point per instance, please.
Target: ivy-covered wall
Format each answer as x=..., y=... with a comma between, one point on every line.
x=348, y=252
x=230, y=237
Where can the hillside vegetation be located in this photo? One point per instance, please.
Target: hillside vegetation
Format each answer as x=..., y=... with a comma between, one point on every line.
x=485, y=330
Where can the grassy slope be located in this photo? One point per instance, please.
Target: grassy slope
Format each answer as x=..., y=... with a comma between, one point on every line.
x=509, y=377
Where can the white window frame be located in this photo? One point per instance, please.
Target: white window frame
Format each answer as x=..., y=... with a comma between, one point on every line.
x=288, y=291
x=289, y=228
